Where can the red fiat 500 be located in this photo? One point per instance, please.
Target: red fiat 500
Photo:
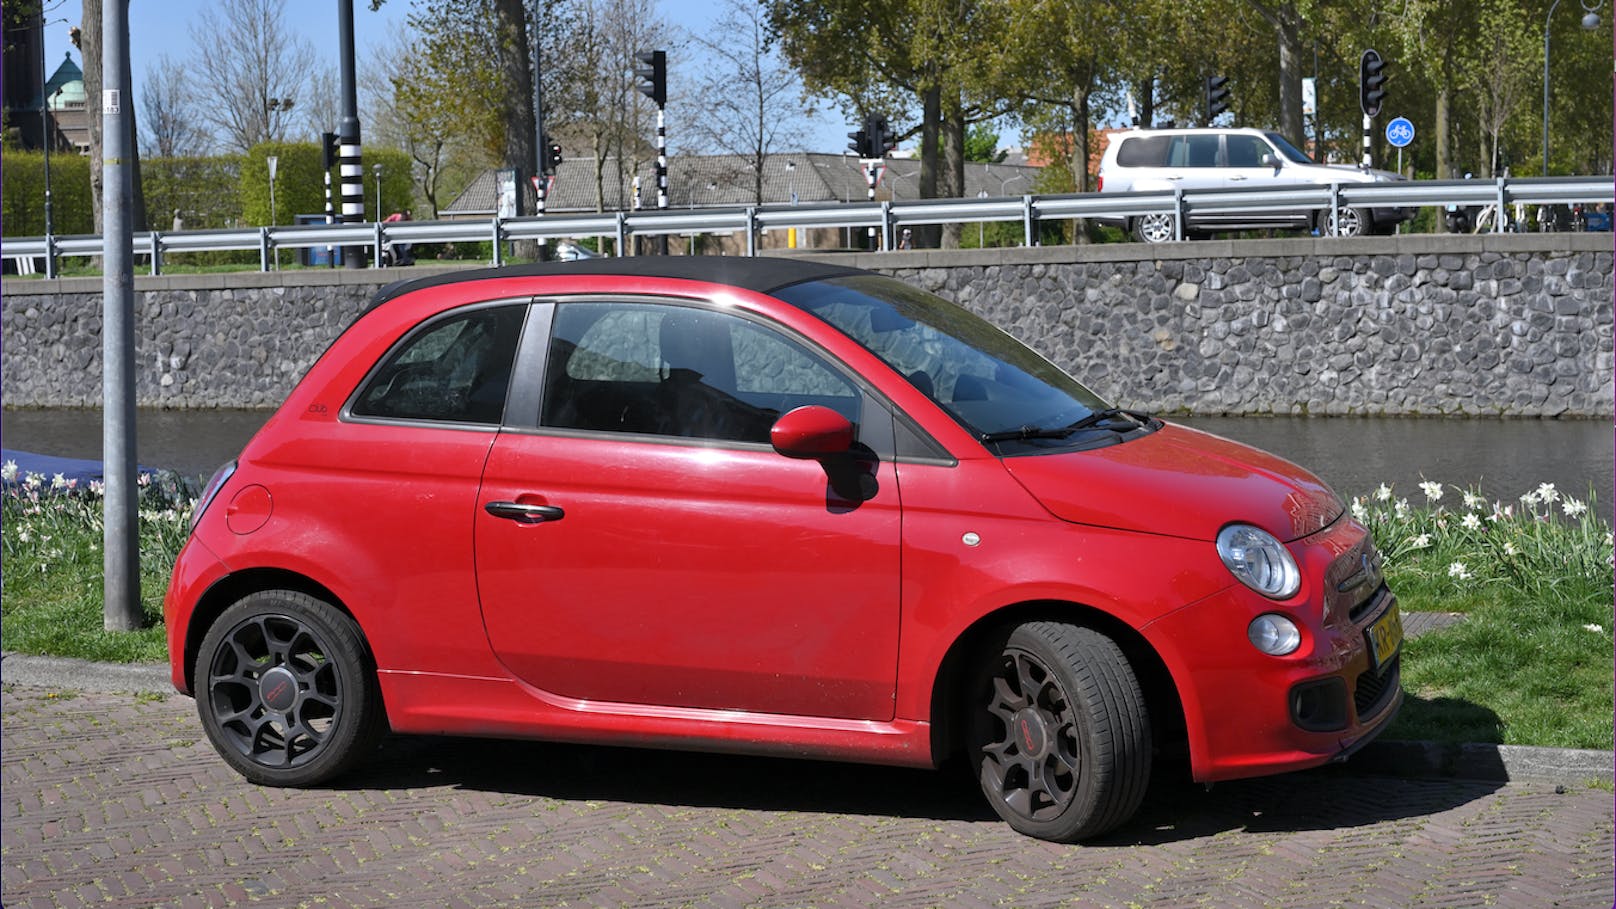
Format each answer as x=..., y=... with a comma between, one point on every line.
x=775, y=507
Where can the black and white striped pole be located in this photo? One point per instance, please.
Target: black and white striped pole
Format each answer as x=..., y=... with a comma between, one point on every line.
x=328, y=160
x=653, y=74
x=351, y=165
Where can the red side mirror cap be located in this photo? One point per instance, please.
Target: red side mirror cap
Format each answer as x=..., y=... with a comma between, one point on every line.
x=812, y=431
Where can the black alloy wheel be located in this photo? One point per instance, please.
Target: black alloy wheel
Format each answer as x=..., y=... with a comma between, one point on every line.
x=286, y=690
x=1060, y=730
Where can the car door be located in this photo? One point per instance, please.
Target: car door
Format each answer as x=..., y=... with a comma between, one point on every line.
x=1243, y=167
x=668, y=556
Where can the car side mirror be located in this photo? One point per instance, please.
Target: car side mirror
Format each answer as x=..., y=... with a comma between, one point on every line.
x=811, y=432
x=1271, y=160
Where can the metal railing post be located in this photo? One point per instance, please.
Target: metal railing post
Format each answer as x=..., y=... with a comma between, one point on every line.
x=50, y=256
x=1029, y=223
x=622, y=233
x=751, y=230
x=1498, y=219
x=886, y=226
x=1331, y=220
x=376, y=262
x=156, y=254
x=263, y=249
x=499, y=254
x=1178, y=213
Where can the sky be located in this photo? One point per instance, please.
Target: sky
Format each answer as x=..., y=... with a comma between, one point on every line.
x=158, y=27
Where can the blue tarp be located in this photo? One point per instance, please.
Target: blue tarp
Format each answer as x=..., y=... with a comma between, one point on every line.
x=82, y=469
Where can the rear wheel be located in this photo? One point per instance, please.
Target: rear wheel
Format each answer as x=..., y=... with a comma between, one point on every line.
x=1345, y=222
x=286, y=691
x=1060, y=733
x=1156, y=228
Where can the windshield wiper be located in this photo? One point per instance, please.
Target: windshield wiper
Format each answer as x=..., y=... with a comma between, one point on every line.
x=1027, y=432
x=1135, y=420
x=1109, y=413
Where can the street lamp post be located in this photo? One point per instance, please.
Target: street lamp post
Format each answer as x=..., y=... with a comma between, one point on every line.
x=1590, y=21
x=376, y=172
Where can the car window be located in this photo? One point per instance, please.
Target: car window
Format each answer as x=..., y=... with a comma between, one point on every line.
x=1245, y=151
x=455, y=369
x=1194, y=151
x=1143, y=151
x=678, y=371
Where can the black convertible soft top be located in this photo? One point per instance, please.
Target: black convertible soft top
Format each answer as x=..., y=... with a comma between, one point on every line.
x=763, y=274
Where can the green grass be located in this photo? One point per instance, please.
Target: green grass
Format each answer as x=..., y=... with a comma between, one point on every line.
x=50, y=540
x=1531, y=664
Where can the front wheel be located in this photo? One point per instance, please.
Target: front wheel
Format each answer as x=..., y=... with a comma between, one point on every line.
x=286, y=691
x=1060, y=731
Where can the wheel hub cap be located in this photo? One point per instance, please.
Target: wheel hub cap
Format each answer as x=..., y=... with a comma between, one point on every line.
x=1031, y=732
x=277, y=688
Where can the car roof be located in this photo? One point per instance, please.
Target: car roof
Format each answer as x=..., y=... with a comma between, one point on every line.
x=763, y=274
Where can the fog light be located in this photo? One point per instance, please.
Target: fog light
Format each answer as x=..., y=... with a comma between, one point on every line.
x=1274, y=635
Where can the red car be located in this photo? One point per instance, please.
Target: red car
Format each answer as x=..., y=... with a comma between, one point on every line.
x=775, y=507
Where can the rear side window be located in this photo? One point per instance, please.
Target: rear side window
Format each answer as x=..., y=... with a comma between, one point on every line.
x=1245, y=151
x=1194, y=151
x=454, y=370
x=1143, y=151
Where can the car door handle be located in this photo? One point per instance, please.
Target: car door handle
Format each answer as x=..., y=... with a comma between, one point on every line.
x=524, y=514
x=1238, y=177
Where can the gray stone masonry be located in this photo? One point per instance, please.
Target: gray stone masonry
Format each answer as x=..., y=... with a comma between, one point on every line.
x=1418, y=325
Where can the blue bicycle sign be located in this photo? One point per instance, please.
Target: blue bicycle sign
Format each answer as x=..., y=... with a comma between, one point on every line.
x=1400, y=132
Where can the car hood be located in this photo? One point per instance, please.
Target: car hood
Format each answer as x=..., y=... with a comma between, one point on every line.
x=1179, y=482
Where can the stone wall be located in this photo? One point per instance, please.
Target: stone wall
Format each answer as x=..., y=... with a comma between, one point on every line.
x=1492, y=325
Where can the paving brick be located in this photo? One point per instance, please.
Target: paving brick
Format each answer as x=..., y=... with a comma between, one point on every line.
x=112, y=800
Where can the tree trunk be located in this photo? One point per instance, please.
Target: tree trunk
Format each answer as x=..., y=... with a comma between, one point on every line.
x=1444, y=115
x=90, y=47
x=516, y=67
x=928, y=236
x=953, y=186
x=1290, y=75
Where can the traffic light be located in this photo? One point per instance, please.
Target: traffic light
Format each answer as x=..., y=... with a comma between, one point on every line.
x=880, y=136
x=653, y=73
x=1371, y=82
x=1217, y=96
x=328, y=150
x=861, y=144
x=552, y=157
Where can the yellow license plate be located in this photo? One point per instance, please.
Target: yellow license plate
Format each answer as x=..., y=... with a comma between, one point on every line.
x=1385, y=636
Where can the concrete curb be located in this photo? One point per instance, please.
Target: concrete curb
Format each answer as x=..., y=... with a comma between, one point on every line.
x=1469, y=761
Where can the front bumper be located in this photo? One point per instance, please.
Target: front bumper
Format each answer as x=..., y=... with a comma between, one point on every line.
x=1250, y=714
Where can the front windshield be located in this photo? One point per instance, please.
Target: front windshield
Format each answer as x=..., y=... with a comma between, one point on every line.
x=1288, y=150
x=988, y=381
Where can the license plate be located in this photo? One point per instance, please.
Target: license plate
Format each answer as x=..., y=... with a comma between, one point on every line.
x=1385, y=636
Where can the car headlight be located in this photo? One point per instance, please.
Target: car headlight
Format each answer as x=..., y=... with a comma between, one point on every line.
x=1259, y=561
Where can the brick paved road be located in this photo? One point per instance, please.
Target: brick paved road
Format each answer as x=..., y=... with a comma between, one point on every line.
x=115, y=800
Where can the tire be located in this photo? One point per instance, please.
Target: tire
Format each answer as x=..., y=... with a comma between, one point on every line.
x=1346, y=222
x=287, y=691
x=1157, y=228
x=1060, y=732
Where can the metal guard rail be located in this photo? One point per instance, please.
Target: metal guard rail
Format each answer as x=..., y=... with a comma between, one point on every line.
x=889, y=217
